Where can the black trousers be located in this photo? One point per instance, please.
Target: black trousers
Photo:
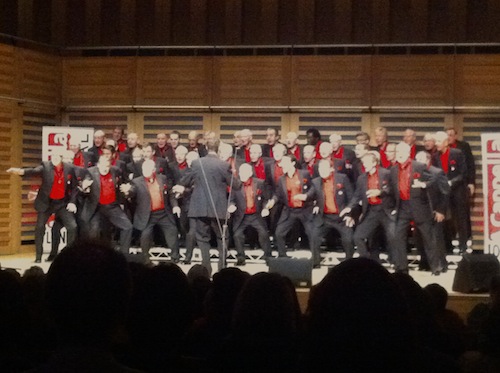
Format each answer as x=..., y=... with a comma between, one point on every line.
x=332, y=221
x=168, y=227
x=438, y=231
x=459, y=217
x=117, y=217
x=256, y=222
x=57, y=207
x=405, y=216
x=190, y=238
x=204, y=228
x=375, y=217
x=285, y=225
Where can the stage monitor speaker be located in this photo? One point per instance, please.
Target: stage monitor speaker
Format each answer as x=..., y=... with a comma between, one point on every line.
x=297, y=270
x=474, y=273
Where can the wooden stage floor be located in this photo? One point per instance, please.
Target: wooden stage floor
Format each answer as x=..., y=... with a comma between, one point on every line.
x=461, y=303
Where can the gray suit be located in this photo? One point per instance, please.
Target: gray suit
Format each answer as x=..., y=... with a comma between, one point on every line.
x=93, y=211
x=145, y=219
x=45, y=206
x=210, y=178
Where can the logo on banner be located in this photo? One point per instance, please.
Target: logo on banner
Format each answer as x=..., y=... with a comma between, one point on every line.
x=494, y=202
x=493, y=147
x=491, y=190
x=59, y=139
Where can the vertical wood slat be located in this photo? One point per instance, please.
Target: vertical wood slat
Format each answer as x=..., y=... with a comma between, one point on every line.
x=9, y=199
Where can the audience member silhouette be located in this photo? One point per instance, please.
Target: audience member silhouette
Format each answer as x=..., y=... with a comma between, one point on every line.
x=358, y=321
x=199, y=280
x=429, y=353
x=451, y=328
x=161, y=312
x=88, y=290
x=484, y=321
x=13, y=323
x=209, y=333
x=265, y=327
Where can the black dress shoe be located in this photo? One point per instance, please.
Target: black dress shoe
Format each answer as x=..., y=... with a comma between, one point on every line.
x=240, y=262
x=50, y=258
x=317, y=266
x=176, y=260
x=435, y=273
x=38, y=260
x=187, y=262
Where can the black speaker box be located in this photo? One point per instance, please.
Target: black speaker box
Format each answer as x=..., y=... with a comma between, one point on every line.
x=474, y=273
x=297, y=270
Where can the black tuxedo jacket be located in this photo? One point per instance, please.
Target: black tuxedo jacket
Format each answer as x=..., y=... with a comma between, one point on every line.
x=343, y=194
x=469, y=161
x=89, y=159
x=439, y=191
x=457, y=168
x=346, y=163
x=46, y=171
x=134, y=169
x=419, y=199
x=177, y=173
x=238, y=199
x=281, y=194
x=92, y=199
x=140, y=193
x=266, y=149
x=360, y=198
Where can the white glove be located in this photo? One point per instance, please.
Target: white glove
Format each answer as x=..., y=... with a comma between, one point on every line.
x=419, y=184
x=300, y=197
x=86, y=183
x=316, y=210
x=270, y=204
x=16, y=171
x=71, y=207
x=264, y=213
x=125, y=188
x=178, y=190
x=349, y=222
x=373, y=193
x=231, y=208
x=177, y=211
x=347, y=210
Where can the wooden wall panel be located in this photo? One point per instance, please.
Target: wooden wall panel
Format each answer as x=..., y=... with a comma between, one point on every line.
x=330, y=81
x=251, y=81
x=41, y=77
x=8, y=81
x=477, y=80
x=98, y=120
x=250, y=22
x=8, y=197
x=33, y=122
x=227, y=124
x=396, y=124
x=345, y=125
x=412, y=81
x=99, y=81
x=174, y=81
x=155, y=123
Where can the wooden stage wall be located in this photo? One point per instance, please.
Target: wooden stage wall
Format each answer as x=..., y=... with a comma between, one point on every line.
x=345, y=94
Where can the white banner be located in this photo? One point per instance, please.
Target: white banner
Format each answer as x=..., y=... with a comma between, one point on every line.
x=58, y=138
x=490, y=145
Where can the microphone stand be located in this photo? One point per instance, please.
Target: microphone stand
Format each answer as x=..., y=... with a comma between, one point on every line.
x=223, y=227
x=225, y=241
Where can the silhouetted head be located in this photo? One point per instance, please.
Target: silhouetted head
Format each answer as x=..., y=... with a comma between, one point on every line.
x=88, y=290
